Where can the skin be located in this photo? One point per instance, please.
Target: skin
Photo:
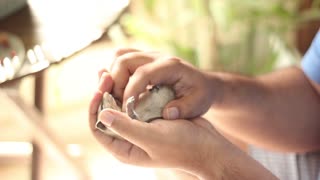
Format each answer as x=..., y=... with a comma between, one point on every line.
x=273, y=111
x=274, y=100
x=198, y=149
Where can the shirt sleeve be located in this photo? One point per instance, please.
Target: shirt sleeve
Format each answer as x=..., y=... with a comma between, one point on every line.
x=311, y=61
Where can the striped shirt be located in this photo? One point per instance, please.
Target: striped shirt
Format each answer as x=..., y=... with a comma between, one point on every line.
x=295, y=166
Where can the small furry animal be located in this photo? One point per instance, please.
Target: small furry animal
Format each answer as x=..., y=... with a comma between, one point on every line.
x=148, y=107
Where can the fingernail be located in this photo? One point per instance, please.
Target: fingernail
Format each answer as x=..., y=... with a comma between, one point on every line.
x=172, y=113
x=106, y=118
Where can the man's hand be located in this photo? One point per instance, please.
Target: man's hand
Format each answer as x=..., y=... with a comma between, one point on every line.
x=193, y=145
x=178, y=144
x=133, y=70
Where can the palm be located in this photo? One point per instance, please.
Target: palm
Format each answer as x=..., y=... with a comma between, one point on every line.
x=122, y=149
x=159, y=143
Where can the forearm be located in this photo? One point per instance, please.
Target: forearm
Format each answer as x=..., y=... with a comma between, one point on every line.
x=242, y=166
x=173, y=174
x=274, y=111
x=229, y=162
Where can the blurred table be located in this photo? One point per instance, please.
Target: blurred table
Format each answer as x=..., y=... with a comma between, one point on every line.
x=58, y=29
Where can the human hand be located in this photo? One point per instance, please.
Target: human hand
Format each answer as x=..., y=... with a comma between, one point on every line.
x=162, y=143
x=133, y=70
x=193, y=146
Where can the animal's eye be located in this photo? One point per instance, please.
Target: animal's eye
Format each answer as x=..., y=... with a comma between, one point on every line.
x=155, y=88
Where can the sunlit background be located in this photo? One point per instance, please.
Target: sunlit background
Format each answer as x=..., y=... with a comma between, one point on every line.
x=249, y=37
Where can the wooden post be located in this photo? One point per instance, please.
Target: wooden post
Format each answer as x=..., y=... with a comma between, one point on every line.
x=306, y=33
x=45, y=139
x=37, y=155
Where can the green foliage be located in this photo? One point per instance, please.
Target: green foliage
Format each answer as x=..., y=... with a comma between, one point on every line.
x=185, y=52
x=249, y=36
x=149, y=5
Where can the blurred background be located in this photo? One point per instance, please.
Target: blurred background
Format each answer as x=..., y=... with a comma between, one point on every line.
x=45, y=92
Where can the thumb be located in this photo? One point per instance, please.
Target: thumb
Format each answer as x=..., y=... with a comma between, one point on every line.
x=134, y=131
x=185, y=107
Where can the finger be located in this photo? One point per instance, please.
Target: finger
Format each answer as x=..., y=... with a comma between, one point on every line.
x=114, y=146
x=101, y=71
x=124, y=67
x=136, y=132
x=105, y=83
x=158, y=72
x=93, y=109
x=102, y=138
x=125, y=151
x=185, y=107
x=117, y=53
x=120, y=52
x=130, y=154
x=122, y=149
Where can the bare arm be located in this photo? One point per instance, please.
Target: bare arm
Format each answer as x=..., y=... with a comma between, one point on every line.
x=193, y=146
x=279, y=111
x=236, y=165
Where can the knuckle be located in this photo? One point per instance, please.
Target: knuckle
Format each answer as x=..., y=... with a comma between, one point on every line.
x=118, y=91
x=174, y=60
x=187, y=109
x=142, y=71
x=119, y=51
x=125, y=59
x=119, y=63
x=122, y=61
x=104, y=74
x=123, y=158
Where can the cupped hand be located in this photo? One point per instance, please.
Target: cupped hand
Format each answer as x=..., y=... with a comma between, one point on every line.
x=162, y=143
x=193, y=146
x=181, y=144
x=133, y=70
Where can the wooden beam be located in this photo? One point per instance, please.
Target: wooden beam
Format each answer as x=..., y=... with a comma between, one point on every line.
x=306, y=33
x=42, y=134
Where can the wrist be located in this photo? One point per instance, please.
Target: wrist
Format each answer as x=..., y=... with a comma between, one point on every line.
x=228, y=162
x=231, y=90
x=215, y=161
x=216, y=87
